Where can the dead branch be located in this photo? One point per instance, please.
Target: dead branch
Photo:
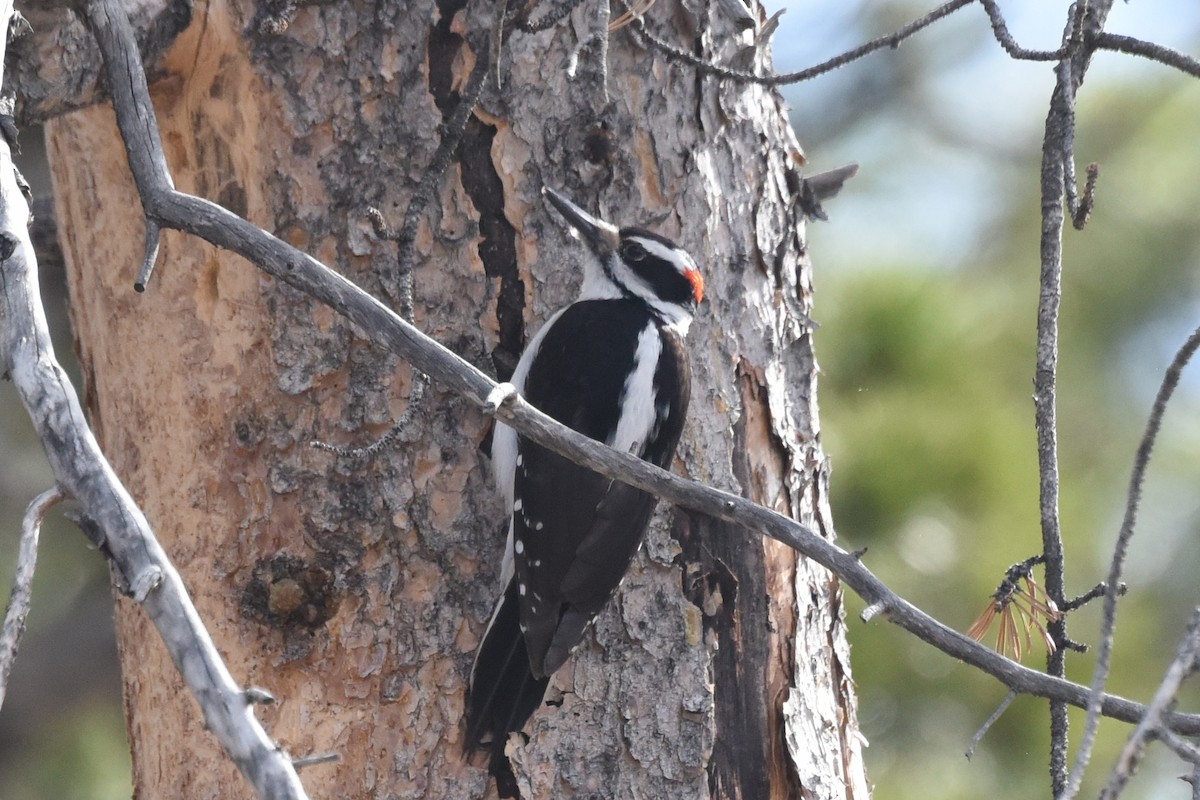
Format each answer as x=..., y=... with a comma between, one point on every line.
x=1155, y=52
x=1181, y=668
x=891, y=40
x=18, y=600
x=1121, y=548
x=82, y=472
x=1057, y=183
x=1006, y=40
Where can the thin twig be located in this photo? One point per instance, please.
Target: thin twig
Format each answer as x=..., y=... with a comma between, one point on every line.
x=1150, y=50
x=18, y=599
x=1088, y=596
x=312, y=761
x=1005, y=39
x=1179, y=670
x=988, y=723
x=153, y=235
x=891, y=40
x=379, y=225
x=1081, y=212
x=1133, y=499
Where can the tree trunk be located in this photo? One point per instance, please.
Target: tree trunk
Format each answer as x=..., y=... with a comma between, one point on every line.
x=356, y=591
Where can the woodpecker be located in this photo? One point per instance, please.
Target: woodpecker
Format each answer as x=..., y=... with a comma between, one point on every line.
x=612, y=366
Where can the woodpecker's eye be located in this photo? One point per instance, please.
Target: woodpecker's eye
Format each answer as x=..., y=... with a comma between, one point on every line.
x=633, y=251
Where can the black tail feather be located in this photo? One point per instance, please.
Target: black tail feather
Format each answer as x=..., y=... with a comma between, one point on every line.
x=503, y=693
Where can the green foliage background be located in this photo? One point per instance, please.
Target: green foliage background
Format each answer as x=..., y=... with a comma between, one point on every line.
x=926, y=293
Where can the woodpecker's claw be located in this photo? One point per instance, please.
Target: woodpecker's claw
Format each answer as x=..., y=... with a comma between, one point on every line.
x=503, y=394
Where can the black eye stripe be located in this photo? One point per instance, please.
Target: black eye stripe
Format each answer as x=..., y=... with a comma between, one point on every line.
x=663, y=276
x=666, y=275
x=633, y=251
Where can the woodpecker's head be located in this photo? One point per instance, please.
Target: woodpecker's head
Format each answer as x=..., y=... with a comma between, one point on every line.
x=632, y=262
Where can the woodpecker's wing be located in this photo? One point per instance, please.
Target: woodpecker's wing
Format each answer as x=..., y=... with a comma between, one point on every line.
x=609, y=370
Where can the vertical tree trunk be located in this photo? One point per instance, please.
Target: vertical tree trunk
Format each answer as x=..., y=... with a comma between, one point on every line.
x=355, y=591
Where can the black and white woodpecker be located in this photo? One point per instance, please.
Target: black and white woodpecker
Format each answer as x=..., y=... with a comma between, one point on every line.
x=612, y=366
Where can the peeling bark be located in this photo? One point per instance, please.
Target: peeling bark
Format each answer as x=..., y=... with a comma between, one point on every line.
x=356, y=593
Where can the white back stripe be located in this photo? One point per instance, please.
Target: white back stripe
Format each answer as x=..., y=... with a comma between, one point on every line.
x=637, y=414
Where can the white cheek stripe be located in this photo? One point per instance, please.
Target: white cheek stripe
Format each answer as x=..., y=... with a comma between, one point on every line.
x=682, y=260
x=638, y=397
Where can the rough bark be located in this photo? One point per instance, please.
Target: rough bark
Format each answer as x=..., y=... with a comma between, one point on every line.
x=57, y=64
x=356, y=593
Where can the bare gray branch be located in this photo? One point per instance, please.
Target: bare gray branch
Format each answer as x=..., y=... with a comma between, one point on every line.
x=1120, y=550
x=1150, y=727
x=82, y=471
x=18, y=600
x=1150, y=50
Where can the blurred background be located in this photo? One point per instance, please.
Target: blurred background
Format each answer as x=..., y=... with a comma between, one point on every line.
x=926, y=294
x=927, y=282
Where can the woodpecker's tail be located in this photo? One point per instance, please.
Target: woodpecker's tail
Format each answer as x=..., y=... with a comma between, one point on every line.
x=503, y=692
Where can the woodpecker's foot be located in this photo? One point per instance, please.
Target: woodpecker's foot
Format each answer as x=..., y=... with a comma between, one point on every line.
x=503, y=394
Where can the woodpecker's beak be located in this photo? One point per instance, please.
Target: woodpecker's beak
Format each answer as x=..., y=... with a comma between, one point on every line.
x=601, y=236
